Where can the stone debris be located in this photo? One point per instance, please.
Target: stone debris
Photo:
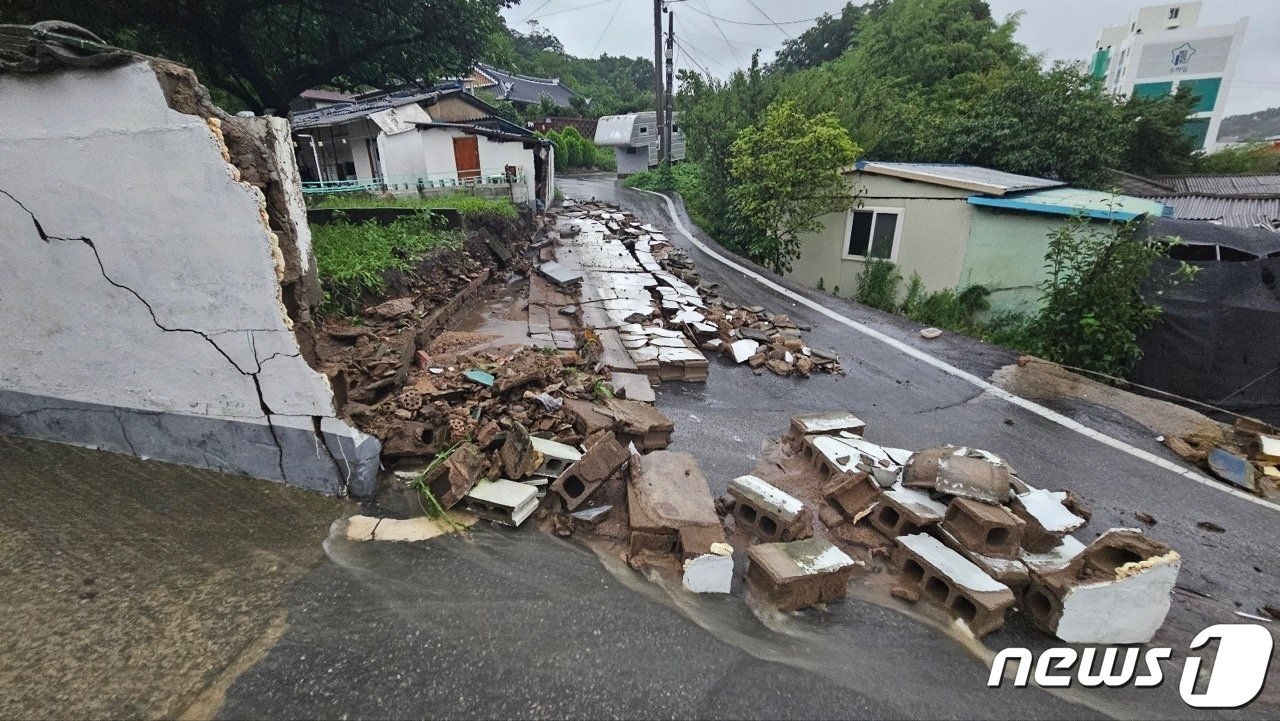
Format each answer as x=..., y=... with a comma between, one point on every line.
x=556, y=457
x=596, y=466
x=503, y=501
x=948, y=580
x=632, y=386
x=799, y=574
x=711, y=572
x=1246, y=456
x=670, y=506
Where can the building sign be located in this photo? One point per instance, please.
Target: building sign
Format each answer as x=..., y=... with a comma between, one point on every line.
x=1184, y=57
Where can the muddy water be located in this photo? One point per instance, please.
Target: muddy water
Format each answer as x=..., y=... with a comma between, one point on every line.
x=502, y=315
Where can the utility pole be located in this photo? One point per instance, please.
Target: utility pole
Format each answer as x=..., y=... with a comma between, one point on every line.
x=669, y=99
x=657, y=75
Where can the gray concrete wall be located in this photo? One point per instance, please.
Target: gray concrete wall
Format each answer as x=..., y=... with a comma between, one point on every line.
x=141, y=286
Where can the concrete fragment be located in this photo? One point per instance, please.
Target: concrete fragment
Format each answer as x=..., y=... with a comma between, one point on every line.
x=921, y=469
x=1118, y=590
x=799, y=574
x=709, y=573
x=1232, y=468
x=517, y=454
x=852, y=493
x=1012, y=572
x=639, y=423
x=556, y=457
x=393, y=308
x=668, y=498
x=632, y=386
x=596, y=466
x=948, y=580
x=421, y=528
x=984, y=528
x=743, y=350
x=930, y=333
x=962, y=475
x=767, y=512
x=592, y=516
x=558, y=274
x=503, y=501
x=450, y=481
x=1046, y=519
x=828, y=423
x=904, y=510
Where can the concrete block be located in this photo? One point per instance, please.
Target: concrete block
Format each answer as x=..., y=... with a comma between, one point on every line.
x=828, y=423
x=948, y=580
x=986, y=529
x=632, y=386
x=921, y=469
x=556, y=457
x=639, y=423
x=742, y=350
x=558, y=274
x=1118, y=590
x=904, y=511
x=831, y=455
x=710, y=572
x=1009, y=571
x=976, y=478
x=503, y=501
x=1047, y=521
x=852, y=493
x=596, y=466
x=799, y=574
x=767, y=512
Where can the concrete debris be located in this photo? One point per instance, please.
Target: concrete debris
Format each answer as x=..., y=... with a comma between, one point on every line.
x=904, y=511
x=829, y=423
x=1248, y=459
x=517, y=455
x=1117, y=591
x=591, y=516
x=852, y=493
x=946, y=579
x=930, y=333
x=977, y=478
x=556, y=457
x=742, y=350
x=799, y=574
x=558, y=274
x=393, y=308
x=632, y=386
x=1047, y=519
x=596, y=466
x=671, y=507
x=767, y=512
x=987, y=529
x=450, y=481
x=1232, y=468
x=636, y=422
x=503, y=501
x=709, y=573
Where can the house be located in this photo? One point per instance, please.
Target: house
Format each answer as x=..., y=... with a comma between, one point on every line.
x=521, y=91
x=421, y=141
x=635, y=139
x=1234, y=201
x=954, y=226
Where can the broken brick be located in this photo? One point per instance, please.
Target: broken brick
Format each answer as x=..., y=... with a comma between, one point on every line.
x=852, y=493
x=984, y=528
x=767, y=512
x=581, y=479
x=947, y=580
x=798, y=574
x=666, y=496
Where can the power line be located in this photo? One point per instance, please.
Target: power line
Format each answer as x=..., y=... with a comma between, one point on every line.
x=740, y=22
x=535, y=12
x=691, y=59
x=606, y=27
x=577, y=7
x=722, y=35
x=766, y=17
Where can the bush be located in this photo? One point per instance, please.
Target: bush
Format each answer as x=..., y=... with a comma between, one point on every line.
x=353, y=260
x=951, y=310
x=878, y=285
x=686, y=178
x=468, y=205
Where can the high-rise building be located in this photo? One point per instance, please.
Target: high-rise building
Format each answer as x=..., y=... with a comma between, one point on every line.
x=1164, y=48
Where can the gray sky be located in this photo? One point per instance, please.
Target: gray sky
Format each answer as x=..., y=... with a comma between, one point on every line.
x=1058, y=29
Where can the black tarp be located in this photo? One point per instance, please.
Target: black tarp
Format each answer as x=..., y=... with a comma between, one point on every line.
x=1218, y=338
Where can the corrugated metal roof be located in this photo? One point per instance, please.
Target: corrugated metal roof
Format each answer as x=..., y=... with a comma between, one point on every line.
x=1231, y=212
x=966, y=177
x=1074, y=202
x=1236, y=185
x=347, y=112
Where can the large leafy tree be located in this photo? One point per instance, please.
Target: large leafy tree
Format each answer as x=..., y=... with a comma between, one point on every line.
x=265, y=52
x=827, y=40
x=789, y=172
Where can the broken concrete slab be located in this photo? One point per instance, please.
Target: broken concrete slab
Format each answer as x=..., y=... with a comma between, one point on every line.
x=950, y=581
x=558, y=274
x=1232, y=468
x=799, y=574
x=591, y=516
x=450, y=481
x=828, y=423
x=420, y=528
x=1011, y=572
x=921, y=469
x=852, y=493
x=669, y=495
x=984, y=528
x=503, y=501
x=1047, y=519
x=596, y=466
x=639, y=423
x=767, y=512
x=963, y=475
x=1118, y=590
x=710, y=572
x=632, y=387
x=743, y=350
x=517, y=455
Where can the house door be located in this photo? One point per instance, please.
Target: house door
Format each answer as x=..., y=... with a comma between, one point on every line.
x=466, y=155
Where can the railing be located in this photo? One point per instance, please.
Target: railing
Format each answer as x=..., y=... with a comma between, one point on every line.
x=431, y=182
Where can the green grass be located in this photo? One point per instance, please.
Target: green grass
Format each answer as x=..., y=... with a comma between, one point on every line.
x=686, y=178
x=468, y=205
x=353, y=259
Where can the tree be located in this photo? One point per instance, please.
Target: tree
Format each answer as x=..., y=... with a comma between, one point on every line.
x=1156, y=142
x=827, y=39
x=789, y=173
x=265, y=52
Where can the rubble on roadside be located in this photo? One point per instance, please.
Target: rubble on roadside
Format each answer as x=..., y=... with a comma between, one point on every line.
x=1248, y=458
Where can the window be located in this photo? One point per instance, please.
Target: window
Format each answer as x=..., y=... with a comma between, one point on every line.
x=1173, y=13
x=874, y=233
x=644, y=129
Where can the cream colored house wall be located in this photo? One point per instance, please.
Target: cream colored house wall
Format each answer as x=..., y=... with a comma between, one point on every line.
x=932, y=235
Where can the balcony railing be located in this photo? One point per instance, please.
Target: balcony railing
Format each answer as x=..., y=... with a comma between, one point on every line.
x=432, y=182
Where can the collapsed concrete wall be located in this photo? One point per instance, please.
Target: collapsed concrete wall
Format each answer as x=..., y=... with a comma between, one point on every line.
x=157, y=281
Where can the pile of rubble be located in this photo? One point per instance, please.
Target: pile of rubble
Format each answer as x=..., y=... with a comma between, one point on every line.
x=1249, y=458
x=646, y=307
x=963, y=531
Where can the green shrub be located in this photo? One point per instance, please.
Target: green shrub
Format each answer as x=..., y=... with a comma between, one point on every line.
x=353, y=260
x=468, y=205
x=878, y=285
x=951, y=310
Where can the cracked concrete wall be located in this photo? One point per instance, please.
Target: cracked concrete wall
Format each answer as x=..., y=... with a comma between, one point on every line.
x=150, y=297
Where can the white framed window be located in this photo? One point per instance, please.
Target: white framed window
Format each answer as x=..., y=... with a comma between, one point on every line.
x=873, y=233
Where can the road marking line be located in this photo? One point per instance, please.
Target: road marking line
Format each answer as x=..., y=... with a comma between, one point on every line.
x=949, y=369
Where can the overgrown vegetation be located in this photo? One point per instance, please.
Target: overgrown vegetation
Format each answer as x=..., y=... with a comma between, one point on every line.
x=1253, y=159
x=353, y=259
x=574, y=151
x=1099, y=294
x=685, y=178
x=468, y=205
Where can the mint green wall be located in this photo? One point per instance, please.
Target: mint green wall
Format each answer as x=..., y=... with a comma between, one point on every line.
x=1006, y=254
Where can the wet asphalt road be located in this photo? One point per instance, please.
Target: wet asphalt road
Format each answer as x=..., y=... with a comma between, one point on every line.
x=524, y=625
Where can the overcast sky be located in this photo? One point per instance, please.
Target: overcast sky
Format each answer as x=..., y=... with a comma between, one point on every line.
x=1058, y=29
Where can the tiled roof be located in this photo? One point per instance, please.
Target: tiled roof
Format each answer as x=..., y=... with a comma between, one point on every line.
x=525, y=89
x=966, y=177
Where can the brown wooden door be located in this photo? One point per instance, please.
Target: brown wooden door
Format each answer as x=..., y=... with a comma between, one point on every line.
x=466, y=155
